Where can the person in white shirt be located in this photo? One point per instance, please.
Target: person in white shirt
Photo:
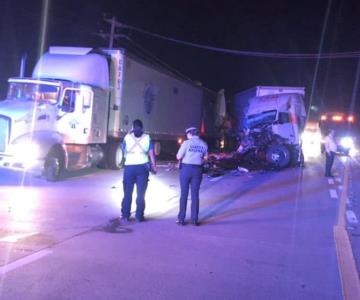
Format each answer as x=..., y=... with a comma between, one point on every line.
x=330, y=151
x=191, y=154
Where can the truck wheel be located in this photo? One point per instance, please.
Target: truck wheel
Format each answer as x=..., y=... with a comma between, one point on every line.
x=296, y=157
x=115, y=156
x=54, y=165
x=278, y=156
x=103, y=163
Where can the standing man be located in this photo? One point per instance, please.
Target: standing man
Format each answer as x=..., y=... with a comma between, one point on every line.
x=330, y=150
x=137, y=148
x=191, y=154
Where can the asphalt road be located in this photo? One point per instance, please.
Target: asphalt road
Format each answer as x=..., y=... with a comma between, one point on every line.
x=263, y=235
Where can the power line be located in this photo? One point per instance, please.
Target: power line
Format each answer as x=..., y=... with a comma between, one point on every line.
x=144, y=53
x=159, y=61
x=330, y=55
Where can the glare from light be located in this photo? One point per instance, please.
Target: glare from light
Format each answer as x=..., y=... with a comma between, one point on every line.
x=222, y=144
x=22, y=205
x=311, y=144
x=311, y=151
x=26, y=153
x=337, y=118
x=347, y=142
x=44, y=24
x=16, y=237
x=353, y=152
x=160, y=198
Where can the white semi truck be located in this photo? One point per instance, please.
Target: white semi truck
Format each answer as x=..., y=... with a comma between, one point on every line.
x=79, y=104
x=274, y=117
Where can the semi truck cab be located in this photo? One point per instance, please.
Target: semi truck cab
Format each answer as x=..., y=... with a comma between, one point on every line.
x=49, y=125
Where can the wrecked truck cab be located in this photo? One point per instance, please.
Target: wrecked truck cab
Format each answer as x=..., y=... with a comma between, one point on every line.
x=275, y=117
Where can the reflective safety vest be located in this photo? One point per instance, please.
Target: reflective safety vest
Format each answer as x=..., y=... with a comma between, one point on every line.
x=136, y=151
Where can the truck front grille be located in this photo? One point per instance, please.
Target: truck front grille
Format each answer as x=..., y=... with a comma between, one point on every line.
x=4, y=132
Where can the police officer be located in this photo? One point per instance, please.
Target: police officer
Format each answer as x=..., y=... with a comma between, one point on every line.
x=191, y=154
x=330, y=151
x=137, y=148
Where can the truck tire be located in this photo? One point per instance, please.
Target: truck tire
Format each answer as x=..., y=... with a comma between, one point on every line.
x=103, y=163
x=114, y=156
x=297, y=157
x=278, y=156
x=54, y=165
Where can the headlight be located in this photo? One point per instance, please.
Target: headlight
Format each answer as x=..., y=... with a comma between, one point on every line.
x=347, y=142
x=27, y=153
x=308, y=136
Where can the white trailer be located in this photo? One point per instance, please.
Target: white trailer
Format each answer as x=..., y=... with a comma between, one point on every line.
x=79, y=104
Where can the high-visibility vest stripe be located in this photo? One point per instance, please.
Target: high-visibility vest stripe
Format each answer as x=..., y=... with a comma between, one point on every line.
x=137, y=149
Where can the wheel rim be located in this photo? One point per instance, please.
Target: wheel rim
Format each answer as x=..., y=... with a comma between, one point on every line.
x=276, y=157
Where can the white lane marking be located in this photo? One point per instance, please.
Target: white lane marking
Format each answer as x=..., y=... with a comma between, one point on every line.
x=15, y=237
x=338, y=179
x=351, y=217
x=24, y=261
x=333, y=194
x=331, y=181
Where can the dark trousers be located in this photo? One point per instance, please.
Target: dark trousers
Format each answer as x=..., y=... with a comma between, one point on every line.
x=139, y=175
x=190, y=176
x=329, y=161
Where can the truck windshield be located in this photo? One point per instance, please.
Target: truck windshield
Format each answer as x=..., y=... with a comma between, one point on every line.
x=264, y=118
x=27, y=91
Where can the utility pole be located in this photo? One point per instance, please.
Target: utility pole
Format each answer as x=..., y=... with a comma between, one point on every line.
x=112, y=36
x=112, y=32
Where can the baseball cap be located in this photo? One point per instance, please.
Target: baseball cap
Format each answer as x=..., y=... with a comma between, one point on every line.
x=190, y=129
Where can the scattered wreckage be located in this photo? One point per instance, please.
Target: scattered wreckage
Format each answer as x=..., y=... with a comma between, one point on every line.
x=259, y=149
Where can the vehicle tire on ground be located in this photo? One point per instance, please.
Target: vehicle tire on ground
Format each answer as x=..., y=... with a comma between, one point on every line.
x=103, y=163
x=114, y=156
x=54, y=165
x=278, y=156
x=296, y=157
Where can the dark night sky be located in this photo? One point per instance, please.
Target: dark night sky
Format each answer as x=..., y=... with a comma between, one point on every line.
x=269, y=26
